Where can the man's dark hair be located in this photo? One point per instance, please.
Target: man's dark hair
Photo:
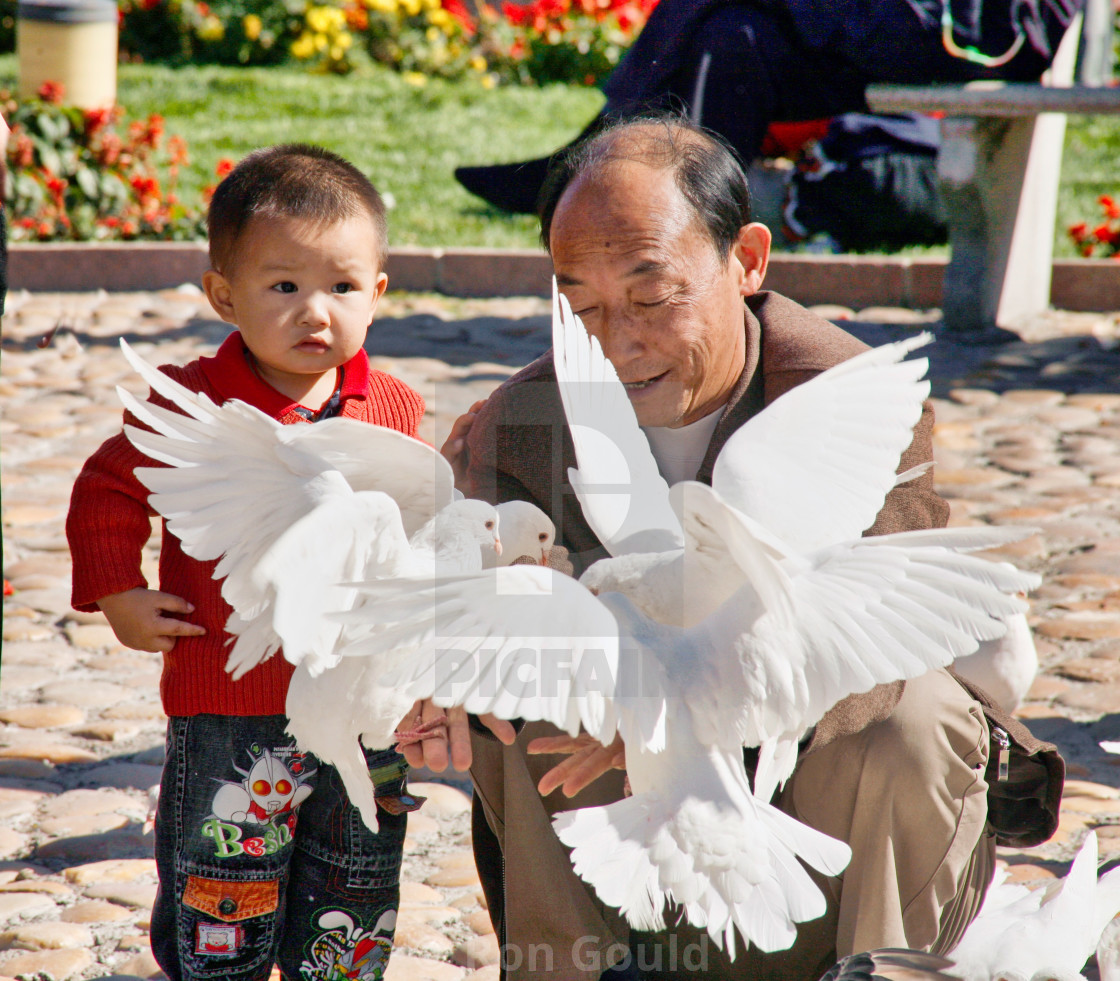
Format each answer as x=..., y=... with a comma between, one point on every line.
x=706, y=169
x=291, y=180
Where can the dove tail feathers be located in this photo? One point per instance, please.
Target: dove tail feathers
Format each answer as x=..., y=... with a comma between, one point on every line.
x=731, y=867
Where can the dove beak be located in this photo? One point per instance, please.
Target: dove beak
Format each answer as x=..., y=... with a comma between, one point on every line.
x=497, y=545
x=544, y=558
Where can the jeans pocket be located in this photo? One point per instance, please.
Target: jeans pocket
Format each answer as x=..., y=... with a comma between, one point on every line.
x=228, y=924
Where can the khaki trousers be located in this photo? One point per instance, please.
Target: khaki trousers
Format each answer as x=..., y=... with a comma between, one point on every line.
x=907, y=794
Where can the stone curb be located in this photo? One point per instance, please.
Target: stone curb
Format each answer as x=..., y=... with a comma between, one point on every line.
x=856, y=281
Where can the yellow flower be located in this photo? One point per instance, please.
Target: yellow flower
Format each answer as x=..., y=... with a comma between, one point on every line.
x=440, y=18
x=382, y=6
x=478, y=63
x=344, y=40
x=211, y=29
x=303, y=47
x=488, y=81
x=419, y=79
x=325, y=20
x=251, y=25
x=411, y=7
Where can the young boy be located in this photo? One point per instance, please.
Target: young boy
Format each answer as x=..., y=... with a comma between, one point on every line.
x=297, y=246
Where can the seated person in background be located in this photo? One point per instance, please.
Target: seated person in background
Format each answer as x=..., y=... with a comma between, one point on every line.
x=736, y=67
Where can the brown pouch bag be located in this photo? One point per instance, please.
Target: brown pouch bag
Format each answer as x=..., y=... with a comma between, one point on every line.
x=1025, y=777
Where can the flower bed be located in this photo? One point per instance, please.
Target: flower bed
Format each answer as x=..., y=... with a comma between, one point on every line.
x=1099, y=241
x=545, y=41
x=93, y=175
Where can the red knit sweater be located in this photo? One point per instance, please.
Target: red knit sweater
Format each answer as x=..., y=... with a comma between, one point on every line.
x=110, y=522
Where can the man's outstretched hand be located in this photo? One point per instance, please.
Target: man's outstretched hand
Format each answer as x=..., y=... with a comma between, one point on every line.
x=588, y=761
x=435, y=737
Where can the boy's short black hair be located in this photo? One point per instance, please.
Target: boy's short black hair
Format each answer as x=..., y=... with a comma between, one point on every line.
x=291, y=180
x=706, y=169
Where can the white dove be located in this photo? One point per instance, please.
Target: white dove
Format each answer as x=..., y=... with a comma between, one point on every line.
x=1044, y=934
x=797, y=631
x=295, y=514
x=527, y=532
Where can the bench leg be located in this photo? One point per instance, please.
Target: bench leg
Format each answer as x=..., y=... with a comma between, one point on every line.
x=1000, y=181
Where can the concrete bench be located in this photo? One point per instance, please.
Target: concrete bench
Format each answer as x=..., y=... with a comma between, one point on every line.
x=999, y=165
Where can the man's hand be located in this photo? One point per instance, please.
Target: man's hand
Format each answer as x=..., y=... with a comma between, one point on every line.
x=454, y=448
x=137, y=618
x=590, y=759
x=447, y=743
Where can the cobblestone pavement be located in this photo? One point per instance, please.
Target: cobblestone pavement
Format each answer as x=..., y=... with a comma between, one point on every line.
x=1028, y=432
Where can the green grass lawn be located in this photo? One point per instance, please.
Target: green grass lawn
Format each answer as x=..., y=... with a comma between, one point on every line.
x=409, y=138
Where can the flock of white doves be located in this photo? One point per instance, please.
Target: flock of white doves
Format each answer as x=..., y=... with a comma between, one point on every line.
x=726, y=616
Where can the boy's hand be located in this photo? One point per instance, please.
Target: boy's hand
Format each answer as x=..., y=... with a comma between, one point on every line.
x=137, y=618
x=447, y=743
x=454, y=448
x=588, y=761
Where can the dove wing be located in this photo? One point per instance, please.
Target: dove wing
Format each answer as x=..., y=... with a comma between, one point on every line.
x=624, y=498
x=519, y=642
x=231, y=487
x=308, y=569
x=236, y=481
x=804, y=633
x=843, y=430
x=374, y=458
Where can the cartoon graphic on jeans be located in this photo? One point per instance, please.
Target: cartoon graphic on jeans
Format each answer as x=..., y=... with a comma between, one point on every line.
x=271, y=788
x=268, y=796
x=345, y=952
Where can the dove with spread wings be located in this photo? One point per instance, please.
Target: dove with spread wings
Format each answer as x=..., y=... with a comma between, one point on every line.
x=745, y=611
x=296, y=514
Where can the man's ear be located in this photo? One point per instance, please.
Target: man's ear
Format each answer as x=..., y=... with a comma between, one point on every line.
x=752, y=249
x=219, y=294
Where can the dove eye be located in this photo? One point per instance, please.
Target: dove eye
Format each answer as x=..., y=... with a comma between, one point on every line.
x=489, y=525
x=542, y=537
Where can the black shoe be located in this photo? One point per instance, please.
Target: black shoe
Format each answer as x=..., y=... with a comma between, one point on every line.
x=511, y=187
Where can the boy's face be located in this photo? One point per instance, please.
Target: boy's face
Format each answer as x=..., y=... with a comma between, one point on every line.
x=302, y=295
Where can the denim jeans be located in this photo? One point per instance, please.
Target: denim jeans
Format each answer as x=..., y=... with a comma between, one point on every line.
x=262, y=859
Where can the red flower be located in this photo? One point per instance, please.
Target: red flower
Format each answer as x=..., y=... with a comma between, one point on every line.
x=1104, y=233
x=44, y=230
x=8, y=591
x=110, y=149
x=23, y=151
x=177, y=150
x=1109, y=205
x=1078, y=231
x=515, y=14
x=56, y=185
x=129, y=229
x=225, y=165
x=96, y=120
x=52, y=92
x=458, y=10
x=153, y=132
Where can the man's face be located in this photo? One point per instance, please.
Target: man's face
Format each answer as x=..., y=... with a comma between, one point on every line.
x=644, y=276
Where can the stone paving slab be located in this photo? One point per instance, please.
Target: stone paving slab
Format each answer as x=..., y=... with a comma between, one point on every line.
x=1028, y=432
